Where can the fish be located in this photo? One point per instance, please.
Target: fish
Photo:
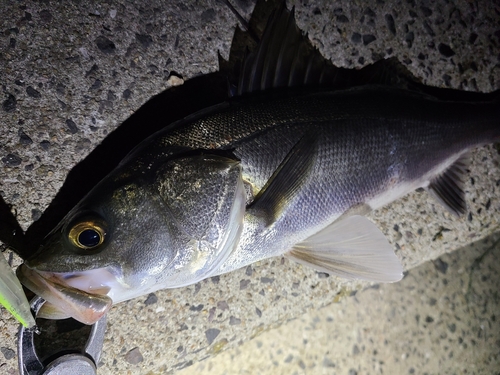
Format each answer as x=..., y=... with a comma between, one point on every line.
x=288, y=166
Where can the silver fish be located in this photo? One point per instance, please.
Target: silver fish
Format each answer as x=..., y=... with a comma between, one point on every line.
x=268, y=173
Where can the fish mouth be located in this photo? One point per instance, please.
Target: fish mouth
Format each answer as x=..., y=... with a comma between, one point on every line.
x=63, y=300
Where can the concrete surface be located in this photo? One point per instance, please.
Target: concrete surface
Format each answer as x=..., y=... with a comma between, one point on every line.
x=65, y=87
x=441, y=319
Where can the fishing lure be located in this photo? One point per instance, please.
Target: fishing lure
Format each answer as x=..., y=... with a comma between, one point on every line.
x=12, y=296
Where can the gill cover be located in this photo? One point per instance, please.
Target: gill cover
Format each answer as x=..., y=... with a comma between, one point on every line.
x=206, y=199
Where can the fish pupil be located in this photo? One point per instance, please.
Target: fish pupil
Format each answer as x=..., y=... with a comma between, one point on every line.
x=89, y=238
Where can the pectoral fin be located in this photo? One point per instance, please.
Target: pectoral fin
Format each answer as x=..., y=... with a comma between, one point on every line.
x=286, y=181
x=352, y=248
x=448, y=187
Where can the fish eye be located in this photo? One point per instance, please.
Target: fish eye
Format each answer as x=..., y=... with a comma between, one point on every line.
x=87, y=234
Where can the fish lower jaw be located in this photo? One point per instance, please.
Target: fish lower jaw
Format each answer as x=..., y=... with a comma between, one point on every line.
x=62, y=300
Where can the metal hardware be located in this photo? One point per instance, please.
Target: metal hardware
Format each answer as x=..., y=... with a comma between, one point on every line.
x=84, y=363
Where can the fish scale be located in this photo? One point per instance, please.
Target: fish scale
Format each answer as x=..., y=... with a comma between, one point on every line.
x=326, y=108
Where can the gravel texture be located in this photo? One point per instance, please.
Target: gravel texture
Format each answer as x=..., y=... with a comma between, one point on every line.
x=71, y=72
x=441, y=319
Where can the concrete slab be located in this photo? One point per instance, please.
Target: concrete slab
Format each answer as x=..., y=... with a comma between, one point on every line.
x=72, y=72
x=441, y=319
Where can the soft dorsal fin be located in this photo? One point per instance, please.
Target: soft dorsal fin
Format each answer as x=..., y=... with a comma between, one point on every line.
x=388, y=72
x=286, y=180
x=352, y=248
x=448, y=187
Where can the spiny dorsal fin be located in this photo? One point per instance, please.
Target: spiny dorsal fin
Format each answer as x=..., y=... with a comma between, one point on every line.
x=352, y=248
x=284, y=58
x=448, y=187
x=286, y=181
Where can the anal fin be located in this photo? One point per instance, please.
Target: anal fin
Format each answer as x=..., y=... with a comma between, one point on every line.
x=352, y=248
x=448, y=187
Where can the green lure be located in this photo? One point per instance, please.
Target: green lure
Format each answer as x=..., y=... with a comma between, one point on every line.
x=12, y=295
